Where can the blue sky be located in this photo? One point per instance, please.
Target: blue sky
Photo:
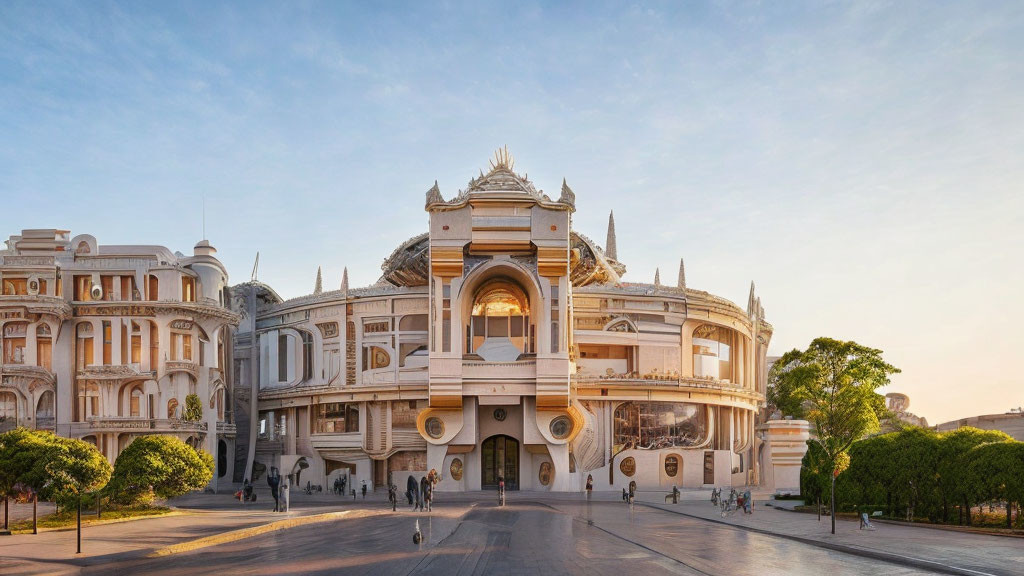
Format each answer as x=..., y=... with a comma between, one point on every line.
x=862, y=162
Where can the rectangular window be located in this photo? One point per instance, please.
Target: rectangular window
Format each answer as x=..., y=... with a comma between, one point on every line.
x=83, y=284
x=186, y=341
x=188, y=289
x=134, y=409
x=446, y=317
x=136, y=348
x=154, y=288
x=107, y=343
x=282, y=358
x=107, y=283
x=307, y=356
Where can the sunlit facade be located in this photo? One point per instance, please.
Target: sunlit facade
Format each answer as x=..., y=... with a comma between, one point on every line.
x=501, y=342
x=105, y=343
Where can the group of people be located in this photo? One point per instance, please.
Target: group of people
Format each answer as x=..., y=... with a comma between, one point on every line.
x=735, y=500
x=339, y=485
x=421, y=494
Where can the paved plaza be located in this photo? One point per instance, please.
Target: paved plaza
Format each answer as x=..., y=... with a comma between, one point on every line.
x=532, y=534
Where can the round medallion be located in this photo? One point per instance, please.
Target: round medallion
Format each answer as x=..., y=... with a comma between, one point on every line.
x=628, y=466
x=434, y=427
x=671, y=465
x=456, y=469
x=500, y=414
x=545, y=474
x=561, y=427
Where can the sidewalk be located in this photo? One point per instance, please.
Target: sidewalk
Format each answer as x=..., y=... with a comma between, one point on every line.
x=951, y=552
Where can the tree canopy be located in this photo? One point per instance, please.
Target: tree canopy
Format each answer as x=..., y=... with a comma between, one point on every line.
x=55, y=467
x=158, y=466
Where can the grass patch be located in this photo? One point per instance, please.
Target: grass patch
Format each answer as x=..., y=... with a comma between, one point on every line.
x=67, y=518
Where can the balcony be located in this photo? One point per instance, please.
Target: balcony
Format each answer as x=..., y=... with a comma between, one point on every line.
x=28, y=373
x=514, y=370
x=26, y=307
x=205, y=307
x=186, y=366
x=384, y=376
x=146, y=425
x=113, y=372
x=226, y=429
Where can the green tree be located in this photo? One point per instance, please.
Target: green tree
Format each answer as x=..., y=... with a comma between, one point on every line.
x=158, y=466
x=193, y=408
x=835, y=383
x=956, y=483
x=997, y=470
x=71, y=468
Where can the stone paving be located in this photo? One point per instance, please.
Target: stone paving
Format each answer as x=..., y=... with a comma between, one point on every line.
x=534, y=534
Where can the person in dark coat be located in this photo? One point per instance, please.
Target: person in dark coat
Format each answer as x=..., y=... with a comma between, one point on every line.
x=426, y=489
x=274, y=481
x=411, y=489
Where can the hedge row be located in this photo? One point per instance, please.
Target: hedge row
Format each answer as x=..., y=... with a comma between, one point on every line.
x=923, y=473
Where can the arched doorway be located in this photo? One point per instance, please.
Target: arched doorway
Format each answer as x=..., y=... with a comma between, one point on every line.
x=222, y=458
x=499, y=453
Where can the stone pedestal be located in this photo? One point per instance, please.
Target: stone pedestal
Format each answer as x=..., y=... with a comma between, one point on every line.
x=787, y=444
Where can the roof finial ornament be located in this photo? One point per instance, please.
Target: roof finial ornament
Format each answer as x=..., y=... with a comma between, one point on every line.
x=760, y=309
x=434, y=195
x=318, y=288
x=256, y=266
x=750, y=300
x=344, y=282
x=610, y=250
x=657, y=277
x=502, y=159
x=681, y=283
x=568, y=196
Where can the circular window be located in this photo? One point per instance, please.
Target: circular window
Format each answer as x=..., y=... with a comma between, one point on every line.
x=500, y=414
x=561, y=427
x=628, y=466
x=671, y=466
x=456, y=469
x=434, y=427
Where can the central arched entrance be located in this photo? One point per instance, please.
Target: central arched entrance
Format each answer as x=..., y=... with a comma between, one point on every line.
x=499, y=453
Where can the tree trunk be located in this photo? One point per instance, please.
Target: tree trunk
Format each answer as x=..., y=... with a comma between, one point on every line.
x=1009, y=514
x=819, y=508
x=35, y=516
x=967, y=511
x=79, y=524
x=832, y=503
x=5, y=514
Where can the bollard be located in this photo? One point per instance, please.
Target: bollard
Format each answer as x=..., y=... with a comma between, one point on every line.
x=417, y=536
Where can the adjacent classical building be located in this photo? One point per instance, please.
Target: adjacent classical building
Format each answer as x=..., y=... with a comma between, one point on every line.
x=105, y=343
x=1011, y=422
x=501, y=342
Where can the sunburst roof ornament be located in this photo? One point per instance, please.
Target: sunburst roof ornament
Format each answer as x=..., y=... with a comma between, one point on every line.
x=502, y=159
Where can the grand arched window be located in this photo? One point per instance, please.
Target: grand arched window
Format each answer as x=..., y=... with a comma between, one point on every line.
x=712, y=352
x=499, y=328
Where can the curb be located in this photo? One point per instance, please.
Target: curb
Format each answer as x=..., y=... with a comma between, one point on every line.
x=243, y=533
x=908, y=561
x=102, y=522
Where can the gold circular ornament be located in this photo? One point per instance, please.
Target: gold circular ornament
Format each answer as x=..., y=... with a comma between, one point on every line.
x=456, y=469
x=434, y=427
x=561, y=427
x=628, y=466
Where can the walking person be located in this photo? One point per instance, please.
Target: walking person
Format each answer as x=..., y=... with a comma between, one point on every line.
x=590, y=486
x=748, y=503
x=426, y=489
x=274, y=481
x=364, y=489
x=411, y=490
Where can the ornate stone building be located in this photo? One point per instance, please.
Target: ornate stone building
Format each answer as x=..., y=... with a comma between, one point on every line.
x=105, y=343
x=502, y=342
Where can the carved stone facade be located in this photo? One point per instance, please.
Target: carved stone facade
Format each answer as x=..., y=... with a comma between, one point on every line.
x=516, y=347
x=104, y=343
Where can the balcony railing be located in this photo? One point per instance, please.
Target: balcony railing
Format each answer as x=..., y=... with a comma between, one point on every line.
x=187, y=366
x=141, y=424
x=226, y=428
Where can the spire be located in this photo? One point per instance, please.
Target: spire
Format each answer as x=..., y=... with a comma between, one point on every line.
x=344, y=281
x=750, y=300
x=681, y=283
x=318, y=288
x=610, y=250
x=256, y=267
x=657, y=277
x=568, y=196
x=434, y=195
